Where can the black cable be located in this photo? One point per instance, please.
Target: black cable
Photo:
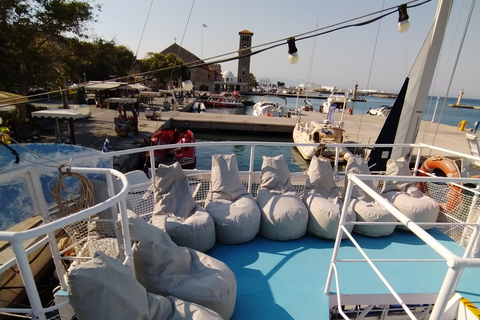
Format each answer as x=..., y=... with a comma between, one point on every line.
x=13, y=151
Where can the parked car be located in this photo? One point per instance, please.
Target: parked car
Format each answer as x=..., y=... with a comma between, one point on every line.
x=383, y=111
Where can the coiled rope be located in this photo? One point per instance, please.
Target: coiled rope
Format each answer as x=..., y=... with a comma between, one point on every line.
x=71, y=197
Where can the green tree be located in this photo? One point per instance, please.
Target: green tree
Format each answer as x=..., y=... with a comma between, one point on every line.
x=280, y=84
x=252, y=81
x=165, y=68
x=33, y=41
x=98, y=60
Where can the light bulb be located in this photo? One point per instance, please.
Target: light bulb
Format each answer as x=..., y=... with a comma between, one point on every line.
x=292, y=51
x=403, y=26
x=293, y=58
x=187, y=85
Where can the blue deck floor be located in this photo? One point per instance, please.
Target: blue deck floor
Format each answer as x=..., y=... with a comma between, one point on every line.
x=285, y=280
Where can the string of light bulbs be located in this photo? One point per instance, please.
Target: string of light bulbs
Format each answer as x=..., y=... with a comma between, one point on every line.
x=293, y=57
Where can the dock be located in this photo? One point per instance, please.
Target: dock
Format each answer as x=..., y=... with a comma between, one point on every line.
x=360, y=128
x=465, y=106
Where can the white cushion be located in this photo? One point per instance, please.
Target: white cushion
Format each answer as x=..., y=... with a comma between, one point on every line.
x=234, y=210
x=284, y=216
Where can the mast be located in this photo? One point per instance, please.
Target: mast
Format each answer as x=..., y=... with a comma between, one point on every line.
x=420, y=79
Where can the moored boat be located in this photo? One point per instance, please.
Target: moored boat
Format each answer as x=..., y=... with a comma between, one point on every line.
x=223, y=100
x=338, y=99
x=270, y=106
x=183, y=155
x=318, y=135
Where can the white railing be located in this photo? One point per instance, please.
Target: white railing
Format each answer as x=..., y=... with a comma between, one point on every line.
x=455, y=263
x=116, y=203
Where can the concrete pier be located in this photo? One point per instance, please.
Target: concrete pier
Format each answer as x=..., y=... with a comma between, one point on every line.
x=361, y=128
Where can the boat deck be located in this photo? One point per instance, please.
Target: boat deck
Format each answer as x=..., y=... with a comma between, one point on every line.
x=268, y=271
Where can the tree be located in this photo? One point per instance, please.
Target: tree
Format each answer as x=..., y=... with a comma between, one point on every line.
x=165, y=68
x=252, y=81
x=32, y=38
x=32, y=42
x=98, y=60
x=280, y=84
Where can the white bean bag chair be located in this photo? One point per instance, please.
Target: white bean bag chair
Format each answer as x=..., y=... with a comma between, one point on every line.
x=103, y=288
x=284, y=216
x=234, y=210
x=412, y=202
x=322, y=198
x=164, y=268
x=177, y=213
x=365, y=207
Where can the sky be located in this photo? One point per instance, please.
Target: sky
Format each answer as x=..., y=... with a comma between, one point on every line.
x=375, y=56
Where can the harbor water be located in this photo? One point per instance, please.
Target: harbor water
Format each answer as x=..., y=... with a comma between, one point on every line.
x=450, y=116
x=432, y=111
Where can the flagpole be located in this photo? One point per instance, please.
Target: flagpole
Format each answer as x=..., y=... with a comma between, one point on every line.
x=201, y=52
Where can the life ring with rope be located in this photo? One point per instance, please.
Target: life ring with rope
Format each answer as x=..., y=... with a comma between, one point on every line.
x=269, y=114
x=450, y=169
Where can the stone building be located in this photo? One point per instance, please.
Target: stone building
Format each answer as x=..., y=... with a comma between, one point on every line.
x=203, y=77
x=210, y=77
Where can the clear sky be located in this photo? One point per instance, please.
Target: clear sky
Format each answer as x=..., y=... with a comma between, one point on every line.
x=376, y=56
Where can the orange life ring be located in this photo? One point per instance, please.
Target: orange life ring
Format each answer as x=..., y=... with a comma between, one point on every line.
x=450, y=169
x=268, y=114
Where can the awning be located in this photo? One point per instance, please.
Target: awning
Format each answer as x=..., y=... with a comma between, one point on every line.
x=137, y=86
x=58, y=114
x=8, y=99
x=101, y=85
x=121, y=100
x=150, y=94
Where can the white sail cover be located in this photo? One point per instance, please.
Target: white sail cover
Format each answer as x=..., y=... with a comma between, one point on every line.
x=420, y=78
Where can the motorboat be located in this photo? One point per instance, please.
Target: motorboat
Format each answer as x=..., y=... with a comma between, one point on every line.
x=270, y=106
x=223, y=100
x=314, y=135
x=337, y=100
x=307, y=105
x=177, y=153
x=382, y=111
x=196, y=106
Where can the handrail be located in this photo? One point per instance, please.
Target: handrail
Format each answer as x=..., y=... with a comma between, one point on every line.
x=455, y=263
x=16, y=239
x=117, y=201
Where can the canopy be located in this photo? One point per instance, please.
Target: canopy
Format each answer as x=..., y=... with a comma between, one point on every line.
x=121, y=100
x=137, y=86
x=9, y=99
x=103, y=85
x=58, y=114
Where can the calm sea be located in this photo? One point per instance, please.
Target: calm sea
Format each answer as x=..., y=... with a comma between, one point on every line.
x=433, y=110
x=450, y=116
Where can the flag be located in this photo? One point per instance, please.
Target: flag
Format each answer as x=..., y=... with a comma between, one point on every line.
x=106, y=143
x=204, y=25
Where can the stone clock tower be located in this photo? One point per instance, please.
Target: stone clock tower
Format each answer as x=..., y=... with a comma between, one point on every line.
x=243, y=74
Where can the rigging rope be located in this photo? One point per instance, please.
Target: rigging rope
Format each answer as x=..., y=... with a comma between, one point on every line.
x=467, y=23
x=370, y=70
x=275, y=43
x=141, y=37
